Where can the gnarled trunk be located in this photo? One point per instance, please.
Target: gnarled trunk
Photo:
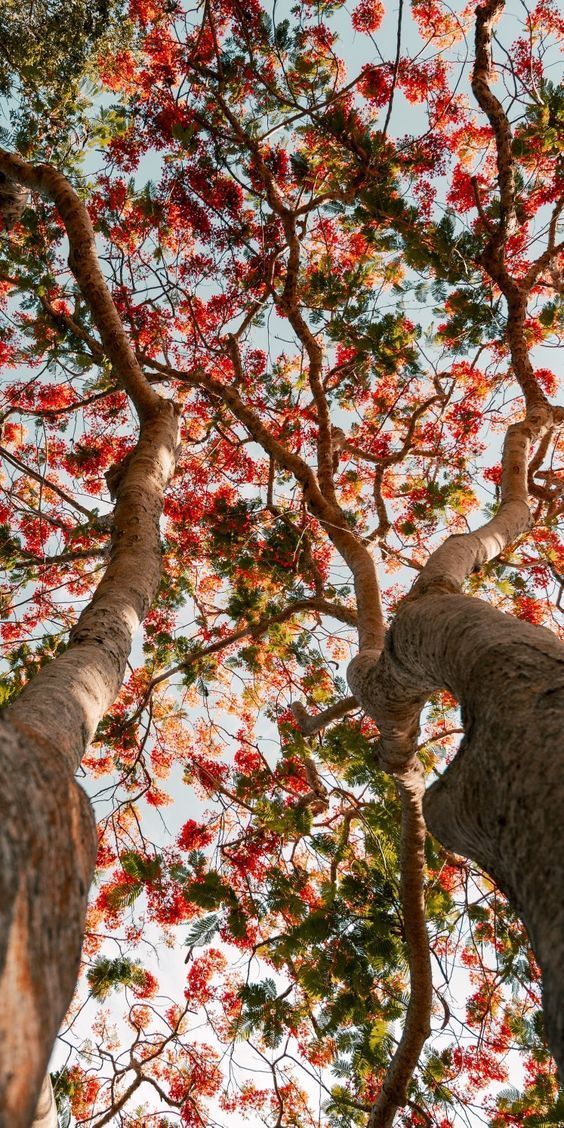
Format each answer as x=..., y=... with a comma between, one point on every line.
x=501, y=801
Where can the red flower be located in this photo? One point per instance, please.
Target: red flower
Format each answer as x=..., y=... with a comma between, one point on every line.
x=368, y=15
x=194, y=836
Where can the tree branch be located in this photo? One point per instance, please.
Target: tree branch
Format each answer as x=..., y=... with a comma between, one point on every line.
x=255, y=630
x=309, y=724
x=46, y=484
x=371, y=626
x=417, y=1025
x=486, y=16
x=83, y=261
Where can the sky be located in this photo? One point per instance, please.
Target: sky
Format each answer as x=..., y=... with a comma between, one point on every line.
x=160, y=827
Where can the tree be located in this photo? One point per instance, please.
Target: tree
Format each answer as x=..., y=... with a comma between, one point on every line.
x=250, y=291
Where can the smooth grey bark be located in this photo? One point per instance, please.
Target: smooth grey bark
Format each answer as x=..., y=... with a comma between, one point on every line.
x=501, y=801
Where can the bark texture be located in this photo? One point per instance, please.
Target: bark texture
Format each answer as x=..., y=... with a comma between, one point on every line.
x=13, y=200
x=501, y=800
x=47, y=831
x=417, y=1025
x=48, y=835
x=47, y=854
x=68, y=697
x=46, y=1111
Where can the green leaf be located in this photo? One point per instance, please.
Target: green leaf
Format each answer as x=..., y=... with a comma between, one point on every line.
x=140, y=868
x=202, y=931
x=106, y=974
x=210, y=892
x=378, y=1032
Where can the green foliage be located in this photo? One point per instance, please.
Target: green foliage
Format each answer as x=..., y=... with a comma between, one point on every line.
x=123, y=895
x=266, y=1010
x=473, y=317
x=105, y=975
x=544, y=121
x=63, y=1089
x=47, y=47
x=346, y=746
x=548, y=1113
x=451, y=253
x=202, y=931
x=210, y=891
x=291, y=821
x=25, y=659
x=141, y=869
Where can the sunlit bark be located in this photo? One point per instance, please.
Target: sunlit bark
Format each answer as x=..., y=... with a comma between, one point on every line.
x=48, y=836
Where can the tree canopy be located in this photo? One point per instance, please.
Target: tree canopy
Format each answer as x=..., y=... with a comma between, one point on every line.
x=329, y=235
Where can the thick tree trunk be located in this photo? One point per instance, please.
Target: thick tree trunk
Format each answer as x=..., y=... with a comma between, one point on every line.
x=48, y=835
x=46, y=1111
x=47, y=855
x=47, y=830
x=70, y=695
x=501, y=801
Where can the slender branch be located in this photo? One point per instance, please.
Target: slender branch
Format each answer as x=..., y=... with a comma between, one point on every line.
x=417, y=1025
x=61, y=558
x=116, y=1107
x=288, y=301
x=398, y=455
x=83, y=261
x=384, y=523
x=477, y=200
x=60, y=317
x=46, y=483
x=384, y=461
x=553, y=249
x=493, y=257
x=371, y=624
x=255, y=630
x=486, y=16
x=395, y=71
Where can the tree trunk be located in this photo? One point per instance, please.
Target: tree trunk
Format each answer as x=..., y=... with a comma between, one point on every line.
x=47, y=830
x=501, y=801
x=46, y=1111
x=47, y=855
